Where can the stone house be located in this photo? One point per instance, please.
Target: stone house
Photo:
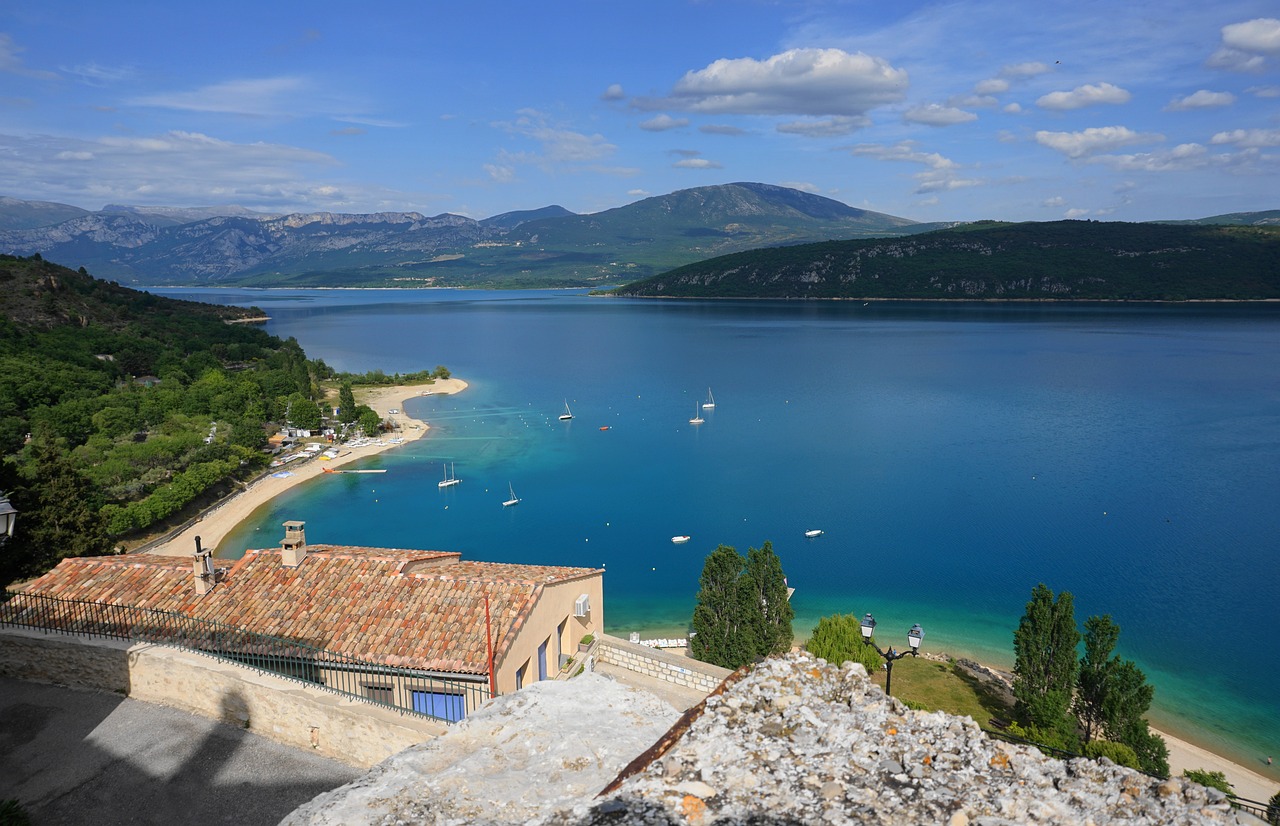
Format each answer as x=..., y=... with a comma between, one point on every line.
x=420, y=614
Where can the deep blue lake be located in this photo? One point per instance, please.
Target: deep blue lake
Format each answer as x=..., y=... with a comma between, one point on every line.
x=954, y=454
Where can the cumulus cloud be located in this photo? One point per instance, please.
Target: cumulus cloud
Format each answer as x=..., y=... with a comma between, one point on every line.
x=1081, y=96
x=814, y=82
x=614, y=92
x=992, y=86
x=1093, y=140
x=721, y=129
x=696, y=163
x=1055, y=201
x=1180, y=158
x=1255, y=138
x=1234, y=60
x=1264, y=91
x=662, y=123
x=1261, y=36
x=1072, y=214
x=11, y=60
x=824, y=128
x=1012, y=108
x=942, y=174
x=935, y=114
x=1203, y=99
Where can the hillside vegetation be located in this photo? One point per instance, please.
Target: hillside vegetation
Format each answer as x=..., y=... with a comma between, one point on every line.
x=1074, y=260
x=119, y=408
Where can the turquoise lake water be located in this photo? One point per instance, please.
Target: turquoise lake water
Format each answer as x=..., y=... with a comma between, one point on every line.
x=955, y=455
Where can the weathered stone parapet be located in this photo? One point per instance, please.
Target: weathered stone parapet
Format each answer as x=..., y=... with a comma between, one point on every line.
x=660, y=665
x=288, y=712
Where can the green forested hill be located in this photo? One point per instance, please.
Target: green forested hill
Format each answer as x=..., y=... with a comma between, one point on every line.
x=119, y=408
x=1071, y=260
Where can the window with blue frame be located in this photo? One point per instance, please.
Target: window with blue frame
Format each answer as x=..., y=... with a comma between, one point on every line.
x=442, y=704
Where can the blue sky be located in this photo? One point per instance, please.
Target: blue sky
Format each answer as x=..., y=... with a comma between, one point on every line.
x=931, y=111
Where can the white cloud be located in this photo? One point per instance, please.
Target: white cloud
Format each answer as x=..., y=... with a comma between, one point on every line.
x=1013, y=108
x=1055, y=201
x=1264, y=91
x=1203, y=99
x=803, y=186
x=11, y=62
x=1073, y=214
x=1081, y=96
x=268, y=96
x=1234, y=60
x=614, y=92
x=638, y=193
x=1261, y=36
x=903, y=151
x=96, y=75
x=663, y=122
x=558, y=145
x=176, y=168
x=1018, y=71
x=696, y=163
x=1093, y=140
x=815, y=82
x=935, y=114
x=1256, y=138
x=825, y=128
x=721, y=129
x=992, y=86
x=500, y=173
x=1179, y=158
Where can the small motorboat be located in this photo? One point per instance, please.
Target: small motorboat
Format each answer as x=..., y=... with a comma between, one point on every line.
x=813, y=533
x=679, y=540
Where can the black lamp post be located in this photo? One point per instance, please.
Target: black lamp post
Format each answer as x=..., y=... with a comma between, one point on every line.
x=913, y=637
x=8, y=516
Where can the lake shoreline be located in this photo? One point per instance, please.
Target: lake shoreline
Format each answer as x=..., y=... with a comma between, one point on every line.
x=212, y=526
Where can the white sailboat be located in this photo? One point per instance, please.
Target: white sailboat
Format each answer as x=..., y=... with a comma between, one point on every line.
x=450, y=479
x=567, y=414
x=710, y=402
x=513, y=500
x=697, y=417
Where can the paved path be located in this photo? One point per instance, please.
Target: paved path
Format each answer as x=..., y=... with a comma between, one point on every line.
x=74, y=757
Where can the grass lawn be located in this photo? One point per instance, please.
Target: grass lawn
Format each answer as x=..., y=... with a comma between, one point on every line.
x=942, y=687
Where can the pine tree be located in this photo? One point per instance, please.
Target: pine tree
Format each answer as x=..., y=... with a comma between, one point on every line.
x=766, y=604
x=722, y=634
x=1045, y=664
x=346, y=403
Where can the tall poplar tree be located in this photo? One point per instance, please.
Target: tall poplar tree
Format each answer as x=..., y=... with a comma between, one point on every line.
x=1044, y=660
x=767, y=607
x=722, y=633
x=1094, y=680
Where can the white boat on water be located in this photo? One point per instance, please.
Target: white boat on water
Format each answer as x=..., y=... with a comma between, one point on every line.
x=450, y=478
x=679, y=540
x=813, y=533
x=710, y=402
x=567, y=414
x=697, y=417
x=513, y=500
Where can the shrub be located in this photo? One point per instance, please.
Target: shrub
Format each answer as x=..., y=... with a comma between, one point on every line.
x=1117, y=753
x=1214, y=780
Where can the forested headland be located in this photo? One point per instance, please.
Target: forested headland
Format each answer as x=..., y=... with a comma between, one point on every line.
x=122, y=411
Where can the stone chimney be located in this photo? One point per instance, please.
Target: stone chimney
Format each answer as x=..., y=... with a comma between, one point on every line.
x=202, y=570
x=293, y=548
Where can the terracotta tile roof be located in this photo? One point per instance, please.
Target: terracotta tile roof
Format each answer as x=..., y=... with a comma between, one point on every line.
x=407, y=608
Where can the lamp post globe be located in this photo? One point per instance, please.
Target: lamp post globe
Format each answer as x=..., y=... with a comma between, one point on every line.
x=8, y=516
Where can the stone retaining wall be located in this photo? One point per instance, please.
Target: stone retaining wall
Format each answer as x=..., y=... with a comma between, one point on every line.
x=654, y=662
x=295, y=714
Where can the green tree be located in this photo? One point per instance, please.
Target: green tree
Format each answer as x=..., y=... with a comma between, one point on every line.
x=1045, y=664
x=838, y=639
x=346, y=403
x=1117, y=753
x=722, y=633
x=1152, y=751
x=441, y=372
x=765, y=601
x=1273, y=810
x=1096, y=666
x=370, y=422
x=304, y=413
x=1212, y=779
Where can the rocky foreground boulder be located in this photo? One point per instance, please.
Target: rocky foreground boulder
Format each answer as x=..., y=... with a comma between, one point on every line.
x=794, y=740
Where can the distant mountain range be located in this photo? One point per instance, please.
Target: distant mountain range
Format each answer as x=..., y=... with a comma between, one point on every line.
x=988, y=260
x=547, y=247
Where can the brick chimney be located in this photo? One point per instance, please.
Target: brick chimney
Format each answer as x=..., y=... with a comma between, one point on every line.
x=202, y=570
x=293, y=548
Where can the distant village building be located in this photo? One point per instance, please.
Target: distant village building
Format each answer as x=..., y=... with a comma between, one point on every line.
x=419, y=611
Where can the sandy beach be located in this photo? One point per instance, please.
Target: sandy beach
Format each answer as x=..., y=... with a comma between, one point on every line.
x=216, y=523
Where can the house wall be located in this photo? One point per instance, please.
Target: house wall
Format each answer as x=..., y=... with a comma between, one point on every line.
x=288, y=712
x=553, y=608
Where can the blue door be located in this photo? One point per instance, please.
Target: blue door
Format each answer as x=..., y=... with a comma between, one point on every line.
x=441, y=704
x=542, y=660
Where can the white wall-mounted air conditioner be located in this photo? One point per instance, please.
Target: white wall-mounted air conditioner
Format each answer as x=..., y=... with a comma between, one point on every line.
x=581, y=606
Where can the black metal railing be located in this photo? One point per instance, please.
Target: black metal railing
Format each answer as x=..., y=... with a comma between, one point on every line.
x=408, y=690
